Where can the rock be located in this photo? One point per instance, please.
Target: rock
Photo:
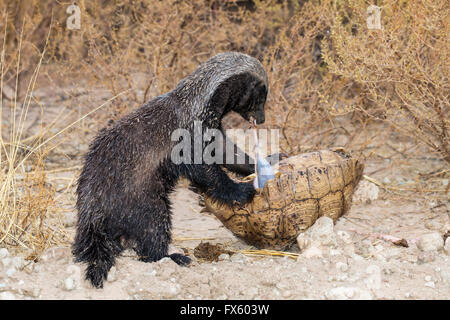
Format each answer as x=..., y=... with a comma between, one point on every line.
x=430, y=284
x=312, y=252
x=445, y=275
x=373, y=282
x=319, y=234
x=425, y=257
x=344, y=236
x=341, y=266
x=239, y=258
x=112, y=274
x=69, y=219
x=366, y=192
x=431, y=242
x=224, y=257
x=432, y=225
x=170, y=291
x=69, y=284
x=3, y=253
x=7, y=296
x=447, y=245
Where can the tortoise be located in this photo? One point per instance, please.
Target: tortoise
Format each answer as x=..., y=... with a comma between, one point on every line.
x=306, y=187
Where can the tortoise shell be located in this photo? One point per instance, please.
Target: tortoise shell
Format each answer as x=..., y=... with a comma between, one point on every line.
x=306, y=187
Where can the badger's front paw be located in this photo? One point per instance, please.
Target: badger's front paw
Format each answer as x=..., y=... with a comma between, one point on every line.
x=244, y=193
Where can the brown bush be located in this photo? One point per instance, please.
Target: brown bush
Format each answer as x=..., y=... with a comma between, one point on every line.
x=402, y=70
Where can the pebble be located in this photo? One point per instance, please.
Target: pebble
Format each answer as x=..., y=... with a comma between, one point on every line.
x=430, y=284
x=224, y=257
x=319, y=234
x=373, y=282
x=69, y=284
x=427, y=278
x=366, y=192
x=426, y=256
x=312, y=252
x=447, y=245
x=344, y=236
x=69, y=219
x=3, y=253
x=445, y=275
x=112, y=274
x=431, y=242
x=239, y=258
x=341, y=266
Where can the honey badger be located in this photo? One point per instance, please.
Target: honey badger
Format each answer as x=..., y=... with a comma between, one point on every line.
x=123, y=189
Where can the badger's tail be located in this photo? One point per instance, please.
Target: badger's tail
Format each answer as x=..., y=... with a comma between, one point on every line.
x=96, y=249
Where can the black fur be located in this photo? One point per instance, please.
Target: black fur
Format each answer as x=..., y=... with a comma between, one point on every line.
x=123, y=190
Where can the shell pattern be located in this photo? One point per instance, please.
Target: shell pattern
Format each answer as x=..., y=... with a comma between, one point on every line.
x=306, y=187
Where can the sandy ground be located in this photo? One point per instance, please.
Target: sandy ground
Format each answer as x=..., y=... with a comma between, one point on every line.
x=357, y=264
x=355, y=267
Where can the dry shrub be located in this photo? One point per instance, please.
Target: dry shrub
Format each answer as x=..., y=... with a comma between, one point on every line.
x=402, y=70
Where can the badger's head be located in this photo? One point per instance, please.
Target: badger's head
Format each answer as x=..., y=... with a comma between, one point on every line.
x=229, y=81
x=250, y=97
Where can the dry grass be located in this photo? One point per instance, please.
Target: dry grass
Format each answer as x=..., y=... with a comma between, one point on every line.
x=332, y=81
x=26, y=199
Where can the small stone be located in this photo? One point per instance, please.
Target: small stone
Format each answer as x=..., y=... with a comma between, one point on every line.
x=239, y=258
x=341, y=293
x=431, y=242
x=445, y=275
x=432, y=225
x=447, y=245
x=3, y=253
x=344, y=236
x=319, y=234
x=427, y=278
x=335, y=252
x=373, y=282
x=430, y=284
x=224, y=257
x=112, y=274
x=69, y=219
x=312, y=252
x=7, y=296
x=366, y=192
x=341, y=266
x=164, y=260
x=425, y=257
x=69, y=284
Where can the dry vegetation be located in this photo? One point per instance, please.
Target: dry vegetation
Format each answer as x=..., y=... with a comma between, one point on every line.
x=333, y=81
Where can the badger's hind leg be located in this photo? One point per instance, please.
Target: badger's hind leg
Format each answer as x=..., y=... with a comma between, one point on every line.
x=153, y=232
